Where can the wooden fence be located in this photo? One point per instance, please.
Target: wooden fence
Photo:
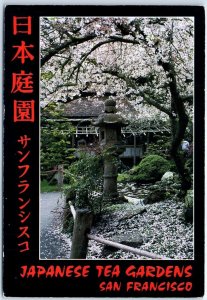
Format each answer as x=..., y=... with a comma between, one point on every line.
x=81, y=235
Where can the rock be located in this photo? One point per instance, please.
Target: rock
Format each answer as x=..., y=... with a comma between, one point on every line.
x=188, y=208
x=157, y=212
x=154, y=187
x=176, y=186
x=133, y=200
x=155, y=196
x=132, y=213
x=133, y=239
x=124, y=190
x=168, y=176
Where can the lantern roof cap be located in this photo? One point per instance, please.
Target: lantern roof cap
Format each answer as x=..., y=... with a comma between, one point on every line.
x=109, y=118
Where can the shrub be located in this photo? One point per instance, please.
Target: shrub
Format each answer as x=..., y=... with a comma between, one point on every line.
x=55, y=145
x=160, y=146
x=189, y=165
x=85, y=178
x=150, y=169
x=124, y=177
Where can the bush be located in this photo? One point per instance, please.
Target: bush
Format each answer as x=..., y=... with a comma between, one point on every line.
x=189, y=165
x=150, y=169
x=85, y=178
x=160, y=146
x=124, y=177
x=55, y=145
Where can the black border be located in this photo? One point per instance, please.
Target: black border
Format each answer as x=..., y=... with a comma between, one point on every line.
x=13, y=284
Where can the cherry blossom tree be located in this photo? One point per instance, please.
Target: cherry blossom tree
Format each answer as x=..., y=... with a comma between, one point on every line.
x=144, y=63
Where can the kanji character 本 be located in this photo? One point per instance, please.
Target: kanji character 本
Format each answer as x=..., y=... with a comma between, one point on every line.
x=24, y=111
x=23, y=52
x=22, y=214
x=21, y=23
x=22, y=82
x=26, y=244
x=24, y=140
x=24, y=157
x=26, y=168
x=23, y=232
x=23, y=184
x=24, y=204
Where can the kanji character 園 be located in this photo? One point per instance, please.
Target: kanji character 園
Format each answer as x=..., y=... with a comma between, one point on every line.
x=24, y=111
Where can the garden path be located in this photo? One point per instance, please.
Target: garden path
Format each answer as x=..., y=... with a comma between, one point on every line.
x=53, y=244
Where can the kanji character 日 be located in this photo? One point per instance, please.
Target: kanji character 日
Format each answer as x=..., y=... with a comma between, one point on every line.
x=22, y=25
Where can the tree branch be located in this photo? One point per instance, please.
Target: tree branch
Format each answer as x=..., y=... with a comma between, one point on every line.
x=86, y=55
x=65, y=45
x=133, y=84
x=124, y=40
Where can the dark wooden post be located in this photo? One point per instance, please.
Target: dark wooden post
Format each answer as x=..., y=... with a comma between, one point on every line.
x=73, y=141
x=60, y=176
x=135, y=148
x=82, y=225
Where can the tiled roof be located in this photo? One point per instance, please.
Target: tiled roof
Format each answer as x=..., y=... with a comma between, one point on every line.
x=84, y=108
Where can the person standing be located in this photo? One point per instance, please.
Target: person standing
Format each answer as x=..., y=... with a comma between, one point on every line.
x=185, y=146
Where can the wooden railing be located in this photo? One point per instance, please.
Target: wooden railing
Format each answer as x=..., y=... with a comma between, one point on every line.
x=81, y=235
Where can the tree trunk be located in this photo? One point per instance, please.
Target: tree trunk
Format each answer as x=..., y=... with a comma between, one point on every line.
x=178, y=131
x=182, y=171
x=179, y=122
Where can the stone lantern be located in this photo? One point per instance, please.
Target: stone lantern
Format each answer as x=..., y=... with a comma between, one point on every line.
x=110, y=124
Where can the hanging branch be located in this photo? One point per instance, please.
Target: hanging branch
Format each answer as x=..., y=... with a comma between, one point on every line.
x=72, y=42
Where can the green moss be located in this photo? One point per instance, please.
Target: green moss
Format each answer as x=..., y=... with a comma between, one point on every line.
x=117, y=207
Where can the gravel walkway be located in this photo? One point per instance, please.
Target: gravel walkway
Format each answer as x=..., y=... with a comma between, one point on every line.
x=53, y=244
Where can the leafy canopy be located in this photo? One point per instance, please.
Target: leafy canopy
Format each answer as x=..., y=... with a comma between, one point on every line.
x=55, y=132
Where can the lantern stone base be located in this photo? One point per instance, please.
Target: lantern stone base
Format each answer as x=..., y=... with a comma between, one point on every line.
x=110, y=185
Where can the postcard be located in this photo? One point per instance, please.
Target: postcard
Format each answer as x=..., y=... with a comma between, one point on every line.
x=103, y=151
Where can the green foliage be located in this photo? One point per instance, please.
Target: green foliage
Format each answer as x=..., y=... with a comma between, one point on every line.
x=55, y=133
x=189, y=199
x=46, y=188
x=160, y=146
x=124, y=177
x=85, y=180
x=150, y=169
x=47, y=75
x=189, y=165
